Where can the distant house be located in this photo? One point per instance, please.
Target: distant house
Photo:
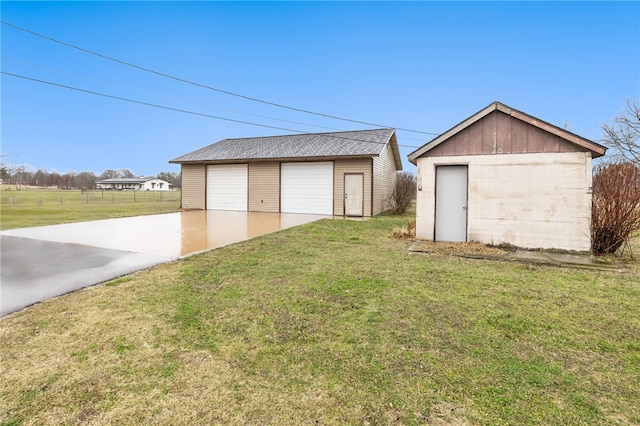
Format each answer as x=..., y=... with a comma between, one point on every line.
x=339, y=173
x=503, y=176
x=135, y=184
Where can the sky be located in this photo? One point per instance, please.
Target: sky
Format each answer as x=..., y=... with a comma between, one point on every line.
x=418, y=66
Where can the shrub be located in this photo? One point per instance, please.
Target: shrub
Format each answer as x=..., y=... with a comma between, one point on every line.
x=403, y=194
x=615, y=208
x=406, y=233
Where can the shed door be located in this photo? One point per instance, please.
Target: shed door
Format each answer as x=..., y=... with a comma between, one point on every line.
x=227, y=187
x=353, y=194
x=306, y=188
x=451, y=203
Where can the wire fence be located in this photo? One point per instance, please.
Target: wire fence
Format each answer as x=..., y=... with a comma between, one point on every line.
x=53, y=197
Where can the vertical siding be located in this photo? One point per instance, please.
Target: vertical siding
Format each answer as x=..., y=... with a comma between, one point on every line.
x=498, y=133
x=193, y=186
x=539, y=200
x=264, y=187
x=384, y=179
x=351, y=166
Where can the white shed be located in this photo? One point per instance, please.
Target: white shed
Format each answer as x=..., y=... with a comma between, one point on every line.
x=503, y=176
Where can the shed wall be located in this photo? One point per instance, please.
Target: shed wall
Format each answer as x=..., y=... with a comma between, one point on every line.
x=540, y=200
x=341, y=167
x=264, y=187
x=193, y=186
x=384, y=179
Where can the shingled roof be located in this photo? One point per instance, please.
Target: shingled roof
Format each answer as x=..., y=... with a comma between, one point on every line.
x=362, y=143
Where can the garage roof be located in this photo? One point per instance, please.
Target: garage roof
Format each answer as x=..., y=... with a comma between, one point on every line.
x=360, y=143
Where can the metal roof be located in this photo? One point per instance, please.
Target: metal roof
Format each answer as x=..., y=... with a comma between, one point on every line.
x=361, y=143
x=127, y=180
x=597, y=150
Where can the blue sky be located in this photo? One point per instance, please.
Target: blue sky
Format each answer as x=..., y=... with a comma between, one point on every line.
x=424, y=66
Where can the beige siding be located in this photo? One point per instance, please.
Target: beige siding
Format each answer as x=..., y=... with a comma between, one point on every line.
x=384, y=179
x=342, y=167
x=193, y=186
x=539, y=200
x=264, y=187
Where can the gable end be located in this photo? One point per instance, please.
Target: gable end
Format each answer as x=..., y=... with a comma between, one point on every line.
x=499, y=133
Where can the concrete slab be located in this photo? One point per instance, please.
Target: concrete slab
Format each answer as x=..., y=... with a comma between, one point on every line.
x=42, y=262
x=173, y=234
x=34, y=270
x=541, y=257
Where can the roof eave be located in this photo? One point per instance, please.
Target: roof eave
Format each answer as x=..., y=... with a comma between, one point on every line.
x=278, y=159
x=393, y=140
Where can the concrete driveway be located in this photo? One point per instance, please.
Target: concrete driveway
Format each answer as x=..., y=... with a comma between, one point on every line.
x=43, y=262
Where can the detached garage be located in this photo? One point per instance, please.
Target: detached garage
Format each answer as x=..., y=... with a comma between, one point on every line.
x=340, y=173
x=503, y=176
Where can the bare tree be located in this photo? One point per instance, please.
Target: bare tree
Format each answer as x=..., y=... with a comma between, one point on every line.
x=615, y=208
x=172, y=177
x=403, y=194
x=109, y=174
x=126, y=173
x=624, y=134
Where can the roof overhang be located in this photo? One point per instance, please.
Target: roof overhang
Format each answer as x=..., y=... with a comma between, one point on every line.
x=277, y=159
x=395, y=150
x=596, y=150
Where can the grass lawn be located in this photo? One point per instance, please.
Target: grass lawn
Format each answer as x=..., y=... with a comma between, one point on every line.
x=21, y=209
x=332, y=322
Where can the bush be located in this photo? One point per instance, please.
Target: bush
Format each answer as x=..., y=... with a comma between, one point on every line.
x=404, y=193
x=615, y=208
x=408, y=232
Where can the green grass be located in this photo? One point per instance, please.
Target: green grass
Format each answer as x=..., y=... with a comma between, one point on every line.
x=20, y=209
x=332, y=323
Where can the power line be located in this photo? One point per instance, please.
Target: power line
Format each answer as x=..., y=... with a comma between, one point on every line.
x=134, y=101
x=204, y=86
x=78, y=77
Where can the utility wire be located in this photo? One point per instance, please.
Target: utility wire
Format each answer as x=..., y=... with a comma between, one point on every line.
x=37, y=67
x=134, y=101
x=78, y=77
x=204, y=86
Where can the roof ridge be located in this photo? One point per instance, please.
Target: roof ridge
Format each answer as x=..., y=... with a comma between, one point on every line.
x=310, y=134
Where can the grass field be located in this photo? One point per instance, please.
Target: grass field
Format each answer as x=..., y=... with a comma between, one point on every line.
x=330, y=323
x=21, y=209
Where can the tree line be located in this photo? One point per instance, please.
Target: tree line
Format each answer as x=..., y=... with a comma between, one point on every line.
x=24, y=176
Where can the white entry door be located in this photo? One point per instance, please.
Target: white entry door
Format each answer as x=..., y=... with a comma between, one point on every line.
x=451, y=203
x=227, y=187
x=353, y=195
x=306, y=187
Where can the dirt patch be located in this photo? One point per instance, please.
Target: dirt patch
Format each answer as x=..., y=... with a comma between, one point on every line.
x=455, y=249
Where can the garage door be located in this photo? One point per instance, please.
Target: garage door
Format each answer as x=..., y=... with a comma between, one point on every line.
x=227, y=187
x=306, y=188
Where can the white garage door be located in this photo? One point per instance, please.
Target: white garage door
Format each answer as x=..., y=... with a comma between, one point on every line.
x=227, y=187
x=307, y=188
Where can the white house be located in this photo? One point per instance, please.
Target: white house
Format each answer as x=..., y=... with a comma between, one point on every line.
x=135, y=184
